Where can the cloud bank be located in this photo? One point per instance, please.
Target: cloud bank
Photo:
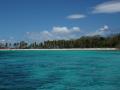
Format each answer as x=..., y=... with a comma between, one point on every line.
x=108, y=7
x=103, y=31
x=57, y=33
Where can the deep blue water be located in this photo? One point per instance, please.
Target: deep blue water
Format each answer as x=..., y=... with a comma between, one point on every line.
x=59, y=70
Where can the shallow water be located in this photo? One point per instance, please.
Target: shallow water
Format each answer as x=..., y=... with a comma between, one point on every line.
x=59, y=70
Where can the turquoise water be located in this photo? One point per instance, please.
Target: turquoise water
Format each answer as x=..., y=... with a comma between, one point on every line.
x=59, y=70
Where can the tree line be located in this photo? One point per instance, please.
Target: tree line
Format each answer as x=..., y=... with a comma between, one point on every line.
x=97, y=41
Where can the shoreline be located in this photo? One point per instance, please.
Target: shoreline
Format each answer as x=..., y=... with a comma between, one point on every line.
x=70, y=49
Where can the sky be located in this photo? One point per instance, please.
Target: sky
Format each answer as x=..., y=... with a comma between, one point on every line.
x=39, y=20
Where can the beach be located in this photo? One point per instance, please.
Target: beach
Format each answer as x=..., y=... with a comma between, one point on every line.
x=70, y=49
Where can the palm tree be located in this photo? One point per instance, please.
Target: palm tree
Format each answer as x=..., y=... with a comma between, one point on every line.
x=23, y=45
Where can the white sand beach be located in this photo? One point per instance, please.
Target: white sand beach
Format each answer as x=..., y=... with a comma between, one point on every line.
x=70, y=49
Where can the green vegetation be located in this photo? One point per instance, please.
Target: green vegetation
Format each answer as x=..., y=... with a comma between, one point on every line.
x=97, y=41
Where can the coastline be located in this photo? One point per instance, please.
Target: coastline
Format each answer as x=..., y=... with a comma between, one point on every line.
x=70, y=49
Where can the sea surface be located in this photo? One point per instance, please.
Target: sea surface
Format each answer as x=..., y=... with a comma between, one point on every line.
x=60, y=70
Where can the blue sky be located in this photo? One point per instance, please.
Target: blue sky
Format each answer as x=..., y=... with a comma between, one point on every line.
x=40, y=20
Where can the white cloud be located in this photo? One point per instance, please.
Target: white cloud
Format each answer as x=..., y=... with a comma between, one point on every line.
x=104, y=31
x=104, y=28
x=76, y=16
x=108, y=7
x=57, y=33
x=60, y=30
x=2, y=40
x=65, y=30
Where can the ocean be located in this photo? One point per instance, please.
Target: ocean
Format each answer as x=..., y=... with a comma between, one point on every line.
x=60, y=70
